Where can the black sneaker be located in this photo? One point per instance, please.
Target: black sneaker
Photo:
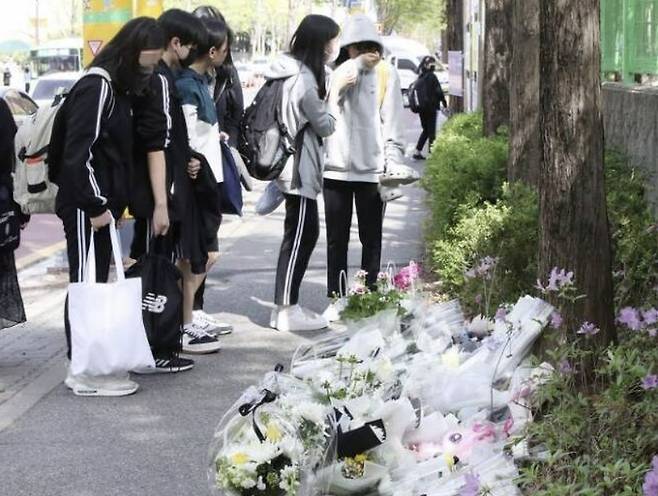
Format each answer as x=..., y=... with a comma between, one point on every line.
x=167, y=366
x=199, y=342
x=419, y=156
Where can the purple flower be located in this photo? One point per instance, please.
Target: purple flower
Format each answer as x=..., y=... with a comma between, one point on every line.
x=556, y=320
x=471, y=486
x=630, y=317
x=483, y=269
x=478, y=299
x=407, y=275
x=558, y=279
x=650, y=316
x=566, y=368
x=650, y=382
x=501, y=314
x=588, y=329
x=652, y=332
x=650, y=486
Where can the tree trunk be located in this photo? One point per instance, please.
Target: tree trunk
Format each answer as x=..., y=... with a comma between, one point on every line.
x=525, y=154
x=574, y=223
x=497, y=60
x=455, y=17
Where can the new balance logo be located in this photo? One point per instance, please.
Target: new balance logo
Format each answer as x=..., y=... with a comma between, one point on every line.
x=154, y=303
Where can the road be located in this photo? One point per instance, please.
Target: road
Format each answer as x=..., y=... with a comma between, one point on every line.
x=155, y=442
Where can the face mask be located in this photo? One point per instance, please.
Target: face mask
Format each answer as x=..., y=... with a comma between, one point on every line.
x=189, y=60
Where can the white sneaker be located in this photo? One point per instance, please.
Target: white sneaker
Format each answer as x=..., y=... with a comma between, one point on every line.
x=196, y=341
x=109, y=385
x=332, y=313
x=294, y=318
x=273, y=317
x=210, y=324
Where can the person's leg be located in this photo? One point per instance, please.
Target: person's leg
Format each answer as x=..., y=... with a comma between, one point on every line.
x=338, y=200
x=191, y=283
x=301, y=232
x=370, y=214
x=431, y=128
x=141, y=238
x=211, y=225
x=424, y=135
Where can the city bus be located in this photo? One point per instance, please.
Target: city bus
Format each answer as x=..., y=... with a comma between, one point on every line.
x=64, y=55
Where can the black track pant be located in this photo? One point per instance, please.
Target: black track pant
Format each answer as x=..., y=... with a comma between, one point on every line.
x=428, y=121
x=77, y=229
x=339, y=196
x=301, y=231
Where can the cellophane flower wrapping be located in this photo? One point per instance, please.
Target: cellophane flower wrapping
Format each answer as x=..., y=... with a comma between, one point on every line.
x=420, y=402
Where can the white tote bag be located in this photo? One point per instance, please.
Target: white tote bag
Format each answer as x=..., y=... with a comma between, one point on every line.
x=107, y=331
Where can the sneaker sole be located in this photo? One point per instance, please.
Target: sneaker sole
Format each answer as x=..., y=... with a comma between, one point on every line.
x=104, y=392
x=165, y=370
x=287, y=329
x=201, y=350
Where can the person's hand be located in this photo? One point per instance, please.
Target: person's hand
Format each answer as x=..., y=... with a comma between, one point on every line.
x=344, y=79
x=370, y=60
x=104, y=219
x=223, y=137
x=193, y=168
x=160, y=220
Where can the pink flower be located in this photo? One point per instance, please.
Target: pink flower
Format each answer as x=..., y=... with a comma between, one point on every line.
x=630, y=317
x=501, y=314
x=650, y=382
x=407, y=275
x=556, y=320
x=588, y=329
x=557, y=280
x=360, y=275
x=359, y=289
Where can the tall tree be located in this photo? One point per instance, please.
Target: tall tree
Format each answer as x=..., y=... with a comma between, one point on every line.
x=497, y=61
x=574, y=222
x=525, y=140
x=455, y=19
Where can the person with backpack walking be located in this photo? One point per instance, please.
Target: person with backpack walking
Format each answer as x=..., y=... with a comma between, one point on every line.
x=426, y=98
x=163, y=198
x=368, y=141
x=90, y=154
x=12, y=221
x=204, y=137
x=226, y=90
x=301, y=79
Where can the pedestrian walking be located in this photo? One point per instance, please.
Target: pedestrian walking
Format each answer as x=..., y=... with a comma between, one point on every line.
x=314, y=44
x=94, y=167
x=162, y=194
x=366, y=100
x=227, y=93
x=6, y=76
x=204, y=137
x=428, y=99
x=27, y=76
x=11, y=222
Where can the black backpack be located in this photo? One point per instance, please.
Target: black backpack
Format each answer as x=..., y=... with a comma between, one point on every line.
x=417, y=95
x=265, y=143
x=162, y=299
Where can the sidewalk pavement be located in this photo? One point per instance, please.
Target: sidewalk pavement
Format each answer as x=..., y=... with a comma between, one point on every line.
x=155, y=442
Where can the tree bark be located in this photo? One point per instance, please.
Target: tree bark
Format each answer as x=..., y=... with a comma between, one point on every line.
x=525, y=154
x=497, y=61
x=574, y=230
x=455, y=17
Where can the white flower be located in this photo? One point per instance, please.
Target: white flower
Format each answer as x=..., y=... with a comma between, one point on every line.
x=480, y=326
x=260, y=485
x=313, y=412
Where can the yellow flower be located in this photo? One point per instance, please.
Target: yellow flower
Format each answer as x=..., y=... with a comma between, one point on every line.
x=239, y=458
x=273, y=433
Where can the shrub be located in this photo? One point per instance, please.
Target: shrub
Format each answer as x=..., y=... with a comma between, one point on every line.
x=464, y=168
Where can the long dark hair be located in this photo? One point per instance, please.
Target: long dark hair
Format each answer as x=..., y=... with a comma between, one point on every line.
x=180, y=24
x=217, y=33
x=308, y=45
x=425, y=64
x=120, y=57
x=212, y=12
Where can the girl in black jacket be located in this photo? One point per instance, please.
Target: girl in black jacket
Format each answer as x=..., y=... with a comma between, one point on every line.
x=11, y=303
x=432, y=98
x=95, y=124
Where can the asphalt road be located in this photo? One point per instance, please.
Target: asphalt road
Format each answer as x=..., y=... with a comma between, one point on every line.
x=155, y=443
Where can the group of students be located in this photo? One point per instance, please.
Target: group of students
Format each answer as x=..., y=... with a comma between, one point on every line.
x=142, y=131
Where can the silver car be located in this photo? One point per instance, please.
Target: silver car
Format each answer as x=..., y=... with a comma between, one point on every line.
x=22, y=107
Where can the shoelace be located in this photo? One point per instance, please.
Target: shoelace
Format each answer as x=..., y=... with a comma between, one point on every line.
x=196, y=331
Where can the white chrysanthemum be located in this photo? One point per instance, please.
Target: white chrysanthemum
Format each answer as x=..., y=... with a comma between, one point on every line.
x=313, y=412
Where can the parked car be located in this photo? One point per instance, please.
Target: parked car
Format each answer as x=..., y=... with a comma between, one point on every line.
x=407, y=66
x=50, y=85
x=21, y=105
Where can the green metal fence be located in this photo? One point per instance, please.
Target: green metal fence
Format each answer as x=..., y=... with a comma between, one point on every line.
x=629, y=37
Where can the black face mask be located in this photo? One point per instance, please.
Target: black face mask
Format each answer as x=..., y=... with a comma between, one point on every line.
x=189, y=60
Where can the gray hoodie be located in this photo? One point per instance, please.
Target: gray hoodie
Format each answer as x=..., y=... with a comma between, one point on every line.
x=369, y=129
x=301, y=105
